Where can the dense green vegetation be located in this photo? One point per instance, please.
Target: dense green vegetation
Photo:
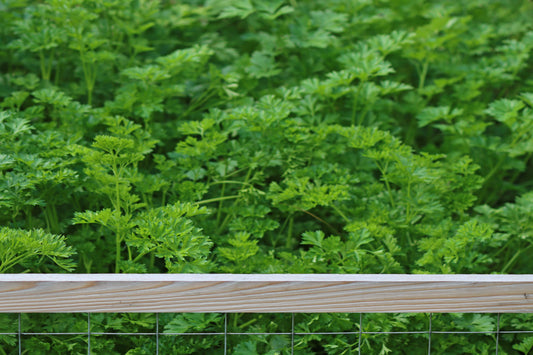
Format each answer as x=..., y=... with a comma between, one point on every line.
x=267, y=136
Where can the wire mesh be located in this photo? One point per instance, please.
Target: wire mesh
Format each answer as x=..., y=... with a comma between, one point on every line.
x=363, y=331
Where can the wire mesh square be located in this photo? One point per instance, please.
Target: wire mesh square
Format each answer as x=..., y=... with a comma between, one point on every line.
x=248, y=333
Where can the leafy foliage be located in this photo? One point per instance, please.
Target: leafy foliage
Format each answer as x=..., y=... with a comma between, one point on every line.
x=262, y=136
x=33, y=250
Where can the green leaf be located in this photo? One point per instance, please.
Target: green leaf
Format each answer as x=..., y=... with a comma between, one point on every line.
x=262, y=65
x=431, y=114
x=313, y=238
x=271, y=10
x=505, y=110
x=242, y=248
x=18, y=247
x=525, y=346
x=232, y=8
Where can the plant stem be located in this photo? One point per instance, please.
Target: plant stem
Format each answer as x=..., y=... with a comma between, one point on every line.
x=215, y=199
x=389, y=190
x=9, y=264
x=228, y=216
x=321, y=220
x=250, y=322
x=288, y=243
x=219, y=210
x=340, y=213
x=408, y=207
x=229, y=182
x=117, y=251
x=362, y=115
x=138, y=257
x=118, y=236
x=355, y=102
x=423, y=74
x=511, y=261
x=47, y=220
x=489, y=176
x=45, y=70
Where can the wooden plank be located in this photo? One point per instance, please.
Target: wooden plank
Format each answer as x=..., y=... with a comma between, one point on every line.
x=264, y=293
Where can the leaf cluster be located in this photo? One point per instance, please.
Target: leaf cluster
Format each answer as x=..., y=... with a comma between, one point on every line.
x=259, y=136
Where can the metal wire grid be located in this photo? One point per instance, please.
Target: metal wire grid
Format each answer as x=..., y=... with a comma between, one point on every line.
x=292, y=333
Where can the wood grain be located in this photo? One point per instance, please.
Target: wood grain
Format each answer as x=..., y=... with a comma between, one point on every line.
x=279, y=293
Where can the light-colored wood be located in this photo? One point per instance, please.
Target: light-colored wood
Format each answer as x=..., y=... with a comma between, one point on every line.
x=50, y=293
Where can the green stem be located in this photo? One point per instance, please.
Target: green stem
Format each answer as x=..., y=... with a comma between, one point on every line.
x=235, y=172
x=489, y=176
x=363, y=114
x=118, y=239
x=409, y=239
x=50, y=216
x=43, y=68
x=47, y=220
x=494, y=170
x=339, y=212
x=9, y=264
x=288, y=243
x=224, y=223
x=87, y=263
x=138, y=257
x=219, y=210
x=215, y=199
x=333, y=230
x=512, y=261
x=45, y=72
x=163, y=196
x=250, y=322
x=278, y=235
x=196, y=103
x=408, y=207
x=247, y=178
x=389, y=190
x=229, y=182
x=423, y=74
x=500, y=162
x=228, y=216
x=355, y=103
x=88, y=71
